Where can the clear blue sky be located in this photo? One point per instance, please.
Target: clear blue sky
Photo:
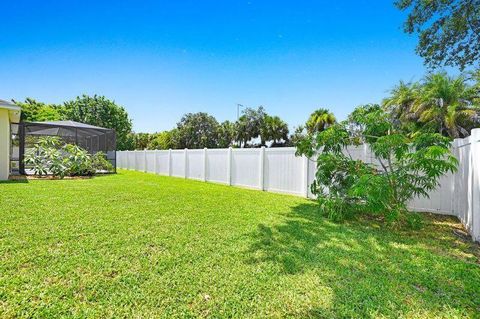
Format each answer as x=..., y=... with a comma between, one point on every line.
x=161, y=59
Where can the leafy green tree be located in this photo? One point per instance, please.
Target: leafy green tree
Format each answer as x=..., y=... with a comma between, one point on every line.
x=197, y=130
x=448, y=30
x=445, y=105
x=356, y=126
x=34, y=111
x=49, y=155
x=249, y=125
x=142, y=141
x=226, y=134
x=320, y=120
x=162, y=141
x=408, y=166
x=273, y=129
x=100, y=111
x=439, y=103
x=296, y=137
x=402, y=97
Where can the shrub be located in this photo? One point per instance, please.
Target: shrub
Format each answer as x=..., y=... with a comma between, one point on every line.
x=407, y=166
x=100, y=162
x=79, y=161
x=45, y=157
x=49, y=156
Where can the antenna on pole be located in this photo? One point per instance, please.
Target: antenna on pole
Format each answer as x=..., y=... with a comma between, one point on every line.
x=238, y=110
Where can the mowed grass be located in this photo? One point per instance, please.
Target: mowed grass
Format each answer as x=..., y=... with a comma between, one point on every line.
x=144, y=246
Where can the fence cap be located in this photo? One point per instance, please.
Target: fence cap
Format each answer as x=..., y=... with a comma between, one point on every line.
x=475, y=133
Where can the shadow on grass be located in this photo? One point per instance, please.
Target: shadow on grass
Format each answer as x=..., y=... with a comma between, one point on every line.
x=17, y=179
x=371, y=270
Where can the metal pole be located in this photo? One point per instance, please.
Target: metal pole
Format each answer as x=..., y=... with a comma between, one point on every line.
x=238, y=110
x=21, y=148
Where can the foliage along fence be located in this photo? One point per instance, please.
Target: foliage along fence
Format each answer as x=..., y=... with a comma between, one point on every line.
x=279, y=170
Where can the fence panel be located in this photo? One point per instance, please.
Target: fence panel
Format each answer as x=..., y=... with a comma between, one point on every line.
x=279, y=170
x=150, y=161
x=162, y=158
x=120, y=160
x=178, y=163
x=283, y=171
x=217, y=165
x=246, y=167
x=131, y=160
x=140, y=161
x=195, y=164
x=462, y=199
x=439, y=201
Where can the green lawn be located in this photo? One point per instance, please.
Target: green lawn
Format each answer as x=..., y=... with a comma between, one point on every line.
x=146, y=246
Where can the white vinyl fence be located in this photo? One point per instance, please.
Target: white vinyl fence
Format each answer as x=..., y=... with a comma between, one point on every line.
x=279, y=170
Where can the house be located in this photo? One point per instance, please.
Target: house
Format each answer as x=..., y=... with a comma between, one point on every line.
x=9, y=113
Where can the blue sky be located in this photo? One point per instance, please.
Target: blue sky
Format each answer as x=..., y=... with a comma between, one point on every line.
x=161, y=59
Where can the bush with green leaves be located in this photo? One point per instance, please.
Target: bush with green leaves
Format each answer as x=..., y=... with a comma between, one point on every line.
x=79, y=161
x=45, y=157
x=404, y=166
x=49, y=156
x=100, y=162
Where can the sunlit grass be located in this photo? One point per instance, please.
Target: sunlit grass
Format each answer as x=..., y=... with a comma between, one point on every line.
x=145, y=246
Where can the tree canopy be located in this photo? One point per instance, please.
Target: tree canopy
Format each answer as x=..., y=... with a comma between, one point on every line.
x=100, y=111
x=197, y=130
x=34, y=111
x=320, y=120
x=448, y=30
x=408, y=166
x=249, y=125
x=439, y=103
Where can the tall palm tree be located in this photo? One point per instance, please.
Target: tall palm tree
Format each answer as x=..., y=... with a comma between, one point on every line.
x=273, y=129
x=439, y=103
x=320, y=120
x=445, y=105
x=401, y=101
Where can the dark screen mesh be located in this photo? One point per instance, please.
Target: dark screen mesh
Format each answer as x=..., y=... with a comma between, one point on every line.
x=93, y=139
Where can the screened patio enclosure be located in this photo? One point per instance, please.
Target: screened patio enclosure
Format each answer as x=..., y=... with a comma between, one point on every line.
x=94, y=139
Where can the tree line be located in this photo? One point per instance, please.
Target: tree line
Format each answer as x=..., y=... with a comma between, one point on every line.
x=254, y=128
x=94, y=110
x=449, y=105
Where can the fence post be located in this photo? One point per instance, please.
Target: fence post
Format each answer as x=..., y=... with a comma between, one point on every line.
x=262, y=168
x=454, y=148
x=305, y=175
x=229, y=166
x=155, y=153
x=205, y=164
x=475, y=182
x=135, y=160
x=169, y=162
x=144, y=160
x=186, y=163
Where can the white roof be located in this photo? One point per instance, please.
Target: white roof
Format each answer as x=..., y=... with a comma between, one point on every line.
x=74, y=124
x=14, y=110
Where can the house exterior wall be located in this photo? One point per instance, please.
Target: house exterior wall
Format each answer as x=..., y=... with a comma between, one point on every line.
x=4, y=144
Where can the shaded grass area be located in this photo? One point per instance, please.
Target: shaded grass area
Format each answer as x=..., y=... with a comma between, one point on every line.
x=140, y=245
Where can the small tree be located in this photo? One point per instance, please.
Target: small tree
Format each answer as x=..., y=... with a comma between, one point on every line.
x=161, y=141
x=100, y=111
x=196, y=130
x=249, y=125
x=404, y=167
x=34, y=111
x=320, y=120
x=274, y=129
x=226, y=134
x=51, y=156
